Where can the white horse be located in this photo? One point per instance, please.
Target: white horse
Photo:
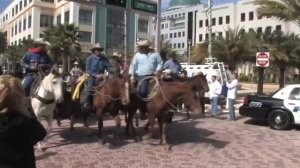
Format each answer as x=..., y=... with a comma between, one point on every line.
x=44, y=99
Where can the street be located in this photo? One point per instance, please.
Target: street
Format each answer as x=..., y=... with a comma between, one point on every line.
x=196, y=143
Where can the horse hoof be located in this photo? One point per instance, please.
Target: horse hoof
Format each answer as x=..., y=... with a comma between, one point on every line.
x=147, y=136
x=167, y=147
x=101, y=142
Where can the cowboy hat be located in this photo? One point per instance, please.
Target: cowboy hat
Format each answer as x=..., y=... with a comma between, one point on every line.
x=41, y=41
x=97, y=46
x=75, y=63
x=116, y=54
x=144, y=43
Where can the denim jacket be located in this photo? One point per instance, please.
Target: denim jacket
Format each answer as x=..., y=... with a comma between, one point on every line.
x=97, y=65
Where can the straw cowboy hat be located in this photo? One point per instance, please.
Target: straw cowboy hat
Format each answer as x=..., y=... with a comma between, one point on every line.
x=75, y=63
x=41, y=41
x=168, y=71
x=144, y=43
x=116, y=54
x=97, y=46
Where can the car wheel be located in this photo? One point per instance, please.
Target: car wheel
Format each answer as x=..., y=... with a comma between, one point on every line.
x=279, y=120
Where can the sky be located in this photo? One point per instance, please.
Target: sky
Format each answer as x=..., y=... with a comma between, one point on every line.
x=165, y=3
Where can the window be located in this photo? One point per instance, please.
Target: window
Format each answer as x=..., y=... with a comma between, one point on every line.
x=213, y=23
x=6, y=17
x=85, y=17
x=243, y=17
x=25, y=3
x=13, y=12
x=278, y=28
x=269, y=29
x=143, y=26
x=227, y=19
x=220, y=34
x=182, y=45
x=19, y=41
x=58, y=19
x=201, y=23
x=251, y=30
x=16, y=29
x=227, y=35
x=183, y=34
x=46, y=21
x=163, y=26
x=295, y=94
x=30, y=1
x=20, y=27
x=29, y=37
x=179, y=45
x=220, y=20
x=259, y=17
x=85, y=36
x=29, y=22
x=179, y=34
x=206, y=36
x=24, y=24
x=12, y=31
x=16, y=9
x=50, y=1
x=67, y=17
x=174, y=45
x=251, y=15
x=206, y=22
x=259, y=30
x=175, y=35
x=21, y=5
x=171, y=35
x=200, y=38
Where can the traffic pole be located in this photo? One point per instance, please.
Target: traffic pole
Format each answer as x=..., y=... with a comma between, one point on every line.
x=158, y=26
x=260, y=87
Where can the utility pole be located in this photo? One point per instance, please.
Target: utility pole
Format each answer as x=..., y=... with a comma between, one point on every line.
x=158, y=26
x=209, y=28
x=125, y=38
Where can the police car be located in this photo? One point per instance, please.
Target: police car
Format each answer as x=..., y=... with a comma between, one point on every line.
x=280, y=109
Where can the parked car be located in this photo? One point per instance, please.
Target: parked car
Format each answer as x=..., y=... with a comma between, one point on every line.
x=280, y=109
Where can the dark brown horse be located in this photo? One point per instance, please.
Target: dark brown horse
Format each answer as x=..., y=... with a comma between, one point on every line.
x=109, y=98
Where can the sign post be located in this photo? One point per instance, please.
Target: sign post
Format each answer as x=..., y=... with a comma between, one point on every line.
x=262, y=61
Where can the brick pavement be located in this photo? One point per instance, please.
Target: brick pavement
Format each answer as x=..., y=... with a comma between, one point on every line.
x=197, y=143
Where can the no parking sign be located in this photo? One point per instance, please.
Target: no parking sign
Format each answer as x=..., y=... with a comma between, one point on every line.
x=262, y=59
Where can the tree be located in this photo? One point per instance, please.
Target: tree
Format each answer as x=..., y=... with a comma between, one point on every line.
x=3, y=42
x=286, y=10
x=64, y=40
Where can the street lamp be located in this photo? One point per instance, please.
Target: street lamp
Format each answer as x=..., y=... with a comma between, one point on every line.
x=189, y=56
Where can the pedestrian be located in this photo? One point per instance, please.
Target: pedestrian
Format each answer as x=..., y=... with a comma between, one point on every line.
x=144, y=64
x=19, y=132
x=223, y=96
x=214, y=91
x=231, y=95
x=34, y=61
x=96, y=65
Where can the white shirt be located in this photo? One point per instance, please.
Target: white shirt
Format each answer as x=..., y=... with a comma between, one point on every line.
x=232, y=89
x=215, y=89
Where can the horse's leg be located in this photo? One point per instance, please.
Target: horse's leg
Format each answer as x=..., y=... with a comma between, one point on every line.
x=164, y=136
x=85, y=121
x=100, y=126
x=151, y=126
x=117, y=120
x=56, y=113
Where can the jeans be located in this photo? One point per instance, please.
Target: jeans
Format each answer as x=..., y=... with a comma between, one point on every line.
x=214, y=105
x=29, y=78
x=143, y=92
x=231, y=109
x=87, y=92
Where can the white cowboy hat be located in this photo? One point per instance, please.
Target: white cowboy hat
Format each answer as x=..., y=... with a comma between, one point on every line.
x=97, y=46
x=116, y=54
x=168, y=71
x=41, y=41
x=75, y=63
x=144, y=43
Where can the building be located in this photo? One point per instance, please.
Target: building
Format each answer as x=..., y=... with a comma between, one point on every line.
x=185, y=22
x=27, y=19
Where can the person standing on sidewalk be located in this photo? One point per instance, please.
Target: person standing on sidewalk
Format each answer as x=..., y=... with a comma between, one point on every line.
x=231, y=95
x=214, y=91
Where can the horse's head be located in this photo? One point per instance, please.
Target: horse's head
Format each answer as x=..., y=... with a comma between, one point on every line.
x=191, y=100
x=201, y=82
x=53, y=83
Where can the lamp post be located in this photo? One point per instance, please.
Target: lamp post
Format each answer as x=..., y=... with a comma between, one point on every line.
x=189, y=56
x=158, y=26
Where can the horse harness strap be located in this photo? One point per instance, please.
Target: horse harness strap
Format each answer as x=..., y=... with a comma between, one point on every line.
x=44, y=101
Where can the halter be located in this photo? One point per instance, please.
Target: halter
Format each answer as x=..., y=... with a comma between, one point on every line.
x=41, y=99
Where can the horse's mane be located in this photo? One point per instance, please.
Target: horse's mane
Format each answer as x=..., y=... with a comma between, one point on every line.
x=12, y=96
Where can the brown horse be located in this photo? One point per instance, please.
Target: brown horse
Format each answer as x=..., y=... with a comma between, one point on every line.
x=109, y=98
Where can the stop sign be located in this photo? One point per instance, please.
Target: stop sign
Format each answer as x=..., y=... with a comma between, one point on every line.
x=262, y=59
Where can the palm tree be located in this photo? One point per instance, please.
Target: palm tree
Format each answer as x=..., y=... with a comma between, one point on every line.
x=286, y=10
x=64, y=40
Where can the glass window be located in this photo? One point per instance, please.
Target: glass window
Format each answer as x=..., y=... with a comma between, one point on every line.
x=21, y=5
x=243, y=15
x=13, y=12
x=269, y=29
x=25, y=3
x=16, y=29
x=50, y=1
x=12, y=31
x=220, y=34
x=206, y=36
x=46, y=21
x=29, y=22
x=201, y=23
x=200, y=38
x=206, y=22
x=20, y=27
x=213, y=22
x=183, y=34
x=278, y=28
x=259, y=30
x=171, y=35
x=175, y=35
x=251, y=15
x=174, y=45
x=85, y=36
x=162, y=26
x=29, y=37
x=58, y=19
x=259, y=17
x=220, y=20
x=24, y=24
x=182, y=45
x=85, y=17
x=143, y=26
x=30, y=1
x=295, y=94
x=67, y=17
x=16, y=9
x=179, y=34
x=227, y=19
x=179, y=45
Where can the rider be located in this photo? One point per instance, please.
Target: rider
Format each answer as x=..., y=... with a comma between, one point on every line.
x=96, y=64
x=76, y=71
x=144, y=64
x=35, y=59
x=116, y=63
x=173, y=65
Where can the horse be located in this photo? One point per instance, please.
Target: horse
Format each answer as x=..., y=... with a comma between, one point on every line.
x=109, y=98
x=44, y=99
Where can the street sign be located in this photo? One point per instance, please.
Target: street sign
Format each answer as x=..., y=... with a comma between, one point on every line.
x=262, y=59
x=144, y=6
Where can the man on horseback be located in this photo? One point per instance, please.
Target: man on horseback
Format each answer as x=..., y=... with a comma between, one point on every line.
x=76, y=72
x=96, y=64
x=35, y=60
x=116, y=63
x=144, y=64
x=173, y=66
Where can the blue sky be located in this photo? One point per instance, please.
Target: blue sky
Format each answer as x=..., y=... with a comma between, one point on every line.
x=165, y=3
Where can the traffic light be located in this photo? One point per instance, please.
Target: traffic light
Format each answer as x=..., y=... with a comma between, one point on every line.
x=121, y=3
